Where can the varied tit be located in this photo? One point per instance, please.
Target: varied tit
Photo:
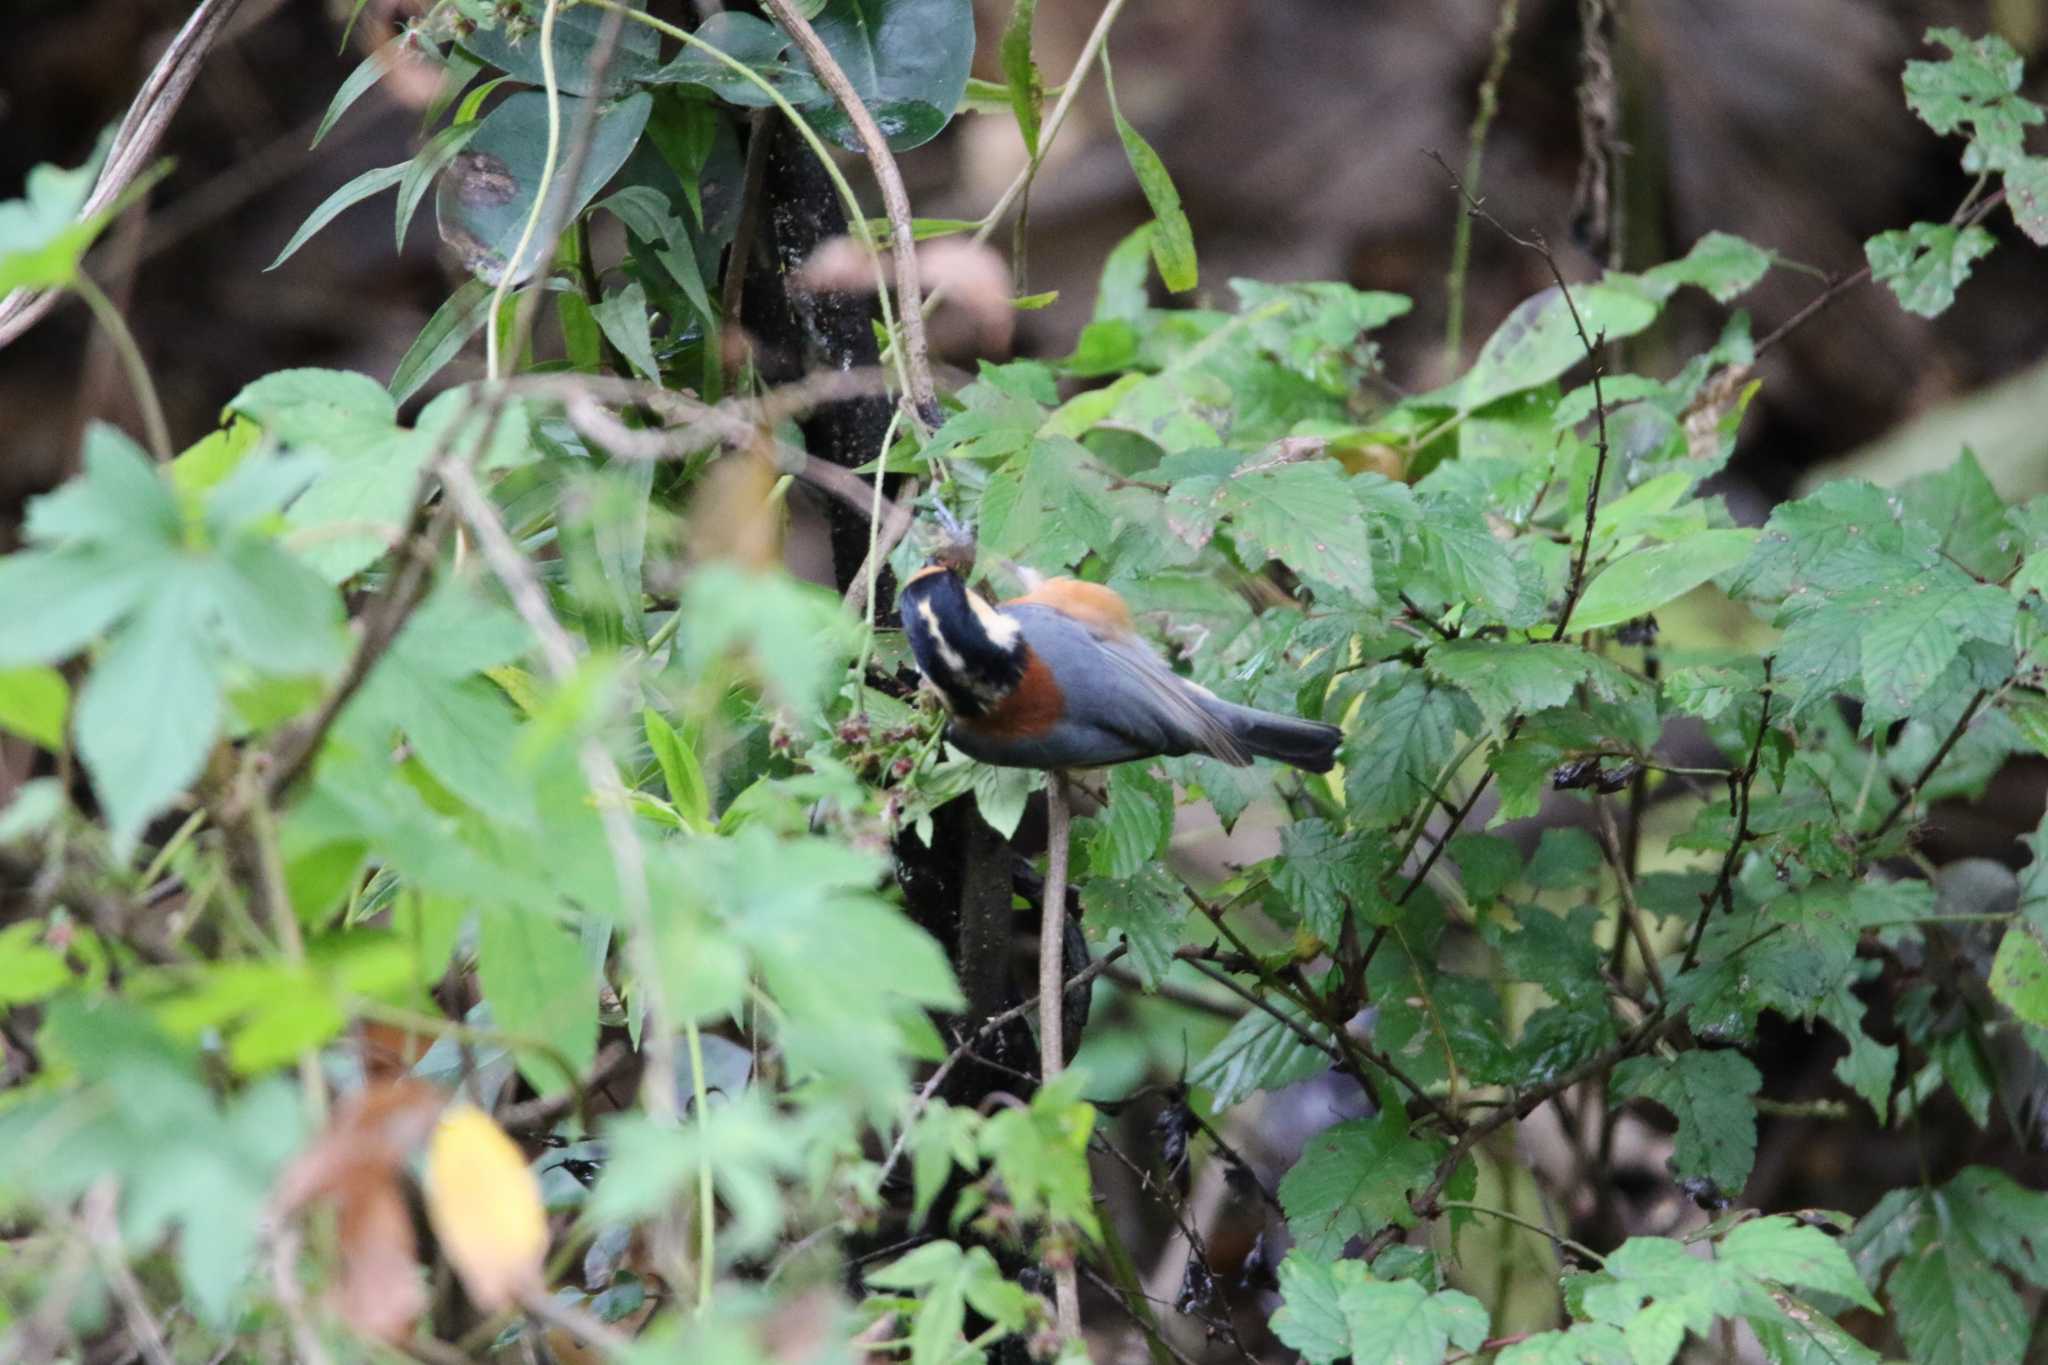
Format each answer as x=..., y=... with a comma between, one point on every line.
x=1057, y=678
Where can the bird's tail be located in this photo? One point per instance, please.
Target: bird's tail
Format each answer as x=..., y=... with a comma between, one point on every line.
x=1306, y=744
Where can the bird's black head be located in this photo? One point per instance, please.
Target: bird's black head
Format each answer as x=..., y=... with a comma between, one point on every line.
x=967, y=649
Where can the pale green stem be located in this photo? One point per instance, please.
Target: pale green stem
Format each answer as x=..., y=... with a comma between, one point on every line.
x=156, y=429
x=540, y=194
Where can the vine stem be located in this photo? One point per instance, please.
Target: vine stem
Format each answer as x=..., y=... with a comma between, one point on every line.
x=123, y=341
x=1052, y=1052
x=1475, y=157
x=552, y=88
x=910, y=293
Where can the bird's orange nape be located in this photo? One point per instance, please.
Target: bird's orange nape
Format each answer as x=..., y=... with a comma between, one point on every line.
x=1091, y=604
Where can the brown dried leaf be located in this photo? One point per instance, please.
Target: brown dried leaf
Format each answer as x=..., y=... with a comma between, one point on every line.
x=368, y=1138
x=485, y=1206
x=380, y=1294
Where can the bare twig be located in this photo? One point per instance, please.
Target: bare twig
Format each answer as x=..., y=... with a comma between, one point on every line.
x=1576, y=585
x=540, y=1114
x=135, y=142
x=965, y=1049
x=1739, y=784
x=1912, y=792
x=1052, y=1057
x=917, y=351
x=97, y=1215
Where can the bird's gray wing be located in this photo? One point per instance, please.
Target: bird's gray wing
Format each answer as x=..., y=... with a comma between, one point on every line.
x=1120, y=684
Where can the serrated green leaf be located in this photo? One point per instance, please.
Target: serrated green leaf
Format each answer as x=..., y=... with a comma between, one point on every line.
x=1354, y=1178
x=1954, y=1307
x=1539, y=341
x=1147, y=909
x=1721, y=263
x=1401, y=1323
x=2019, y=974
x=1259, y=1053
x=1926, y=263
x=1709, y=1093
x=1786, y=1251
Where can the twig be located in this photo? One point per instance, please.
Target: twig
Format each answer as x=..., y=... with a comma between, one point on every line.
x=1631, y=912
x=382, y=619
x=1475, y=154
x=1557, y=1239
x=1968, y=215
x=1052, y=1058
x=600, y=1336
x=732, y=290
x=134, y=143
x=97, y=1215
x=540, y=1114
x=1912, y=792
x=1739, y=784
x=964, y=1050
x=917, y=351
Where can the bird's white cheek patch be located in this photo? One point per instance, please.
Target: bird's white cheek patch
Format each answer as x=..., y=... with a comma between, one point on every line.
x=1002, y=630
x=947, y=654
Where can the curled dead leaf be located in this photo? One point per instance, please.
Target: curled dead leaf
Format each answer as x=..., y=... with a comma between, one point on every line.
x=355, y=1165
x=485, y=1206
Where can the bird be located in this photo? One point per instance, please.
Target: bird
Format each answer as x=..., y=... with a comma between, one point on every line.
x=1058, y=678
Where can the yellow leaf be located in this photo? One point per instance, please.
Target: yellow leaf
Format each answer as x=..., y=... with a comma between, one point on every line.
x=486, y=1210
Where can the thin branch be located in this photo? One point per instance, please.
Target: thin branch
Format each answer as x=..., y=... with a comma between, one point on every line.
x=1052, y=1057
x=1576, y=585
x=895, y=202
x=732, y=291
x=965, y=1049
x=1912, y=792
x=135, y=142
x=1739, y=785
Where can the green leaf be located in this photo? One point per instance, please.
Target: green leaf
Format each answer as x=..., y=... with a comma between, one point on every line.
x=907, y=60
x=1259, y=1053
x=1026, y=89
x=1131, y=832
x=1641, y=582
x=1954, y=1307
x=348, y=196
x=2019, y=974
x=1311, y=1318
x=2026, y=194
x=367, y=73
x=158, y=667
x=1147, y=909
x=1789, y=1252
x=42, y=240
x=1539, y=342
x=1722, y=264
x=2007, y=1223
x=1173, y=240
x=754, y=43
x=1506, y=679
x=1926, y=263
x=1709, y=1093
x=1975, y=88
x=1404, y=1324
x=681, y=775
x=487, y=193
x=1585, y=1343
x=634, y=55
x=29, y=969
x=34, y=700
x=1353, y=1179
x=1406, y=733
x=427, y=163
x=623, y=316
x=461, y=316
x=540, y=987
x=1305, y=515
